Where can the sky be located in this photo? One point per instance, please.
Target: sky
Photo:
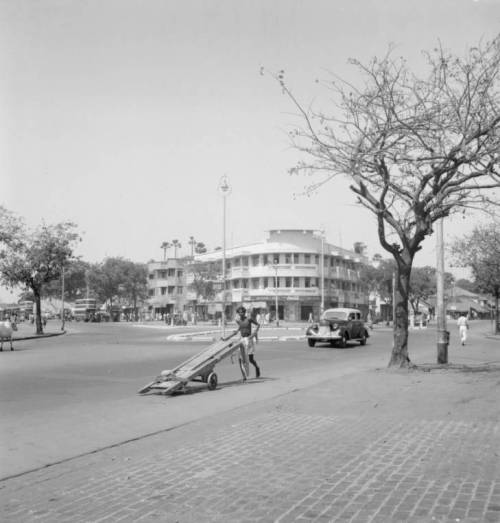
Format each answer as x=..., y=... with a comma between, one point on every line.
x=123, y=115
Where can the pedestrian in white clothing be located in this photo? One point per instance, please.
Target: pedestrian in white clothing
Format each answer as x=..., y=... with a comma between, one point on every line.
x=463, y=325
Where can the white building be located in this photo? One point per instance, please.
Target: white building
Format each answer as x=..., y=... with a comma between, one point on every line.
x=285, y=268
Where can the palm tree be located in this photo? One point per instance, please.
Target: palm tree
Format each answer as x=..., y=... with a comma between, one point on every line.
x=192, y=242
x=176, y=244
x=165, y=246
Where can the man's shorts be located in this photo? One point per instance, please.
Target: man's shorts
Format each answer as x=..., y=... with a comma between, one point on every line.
x=249, y=345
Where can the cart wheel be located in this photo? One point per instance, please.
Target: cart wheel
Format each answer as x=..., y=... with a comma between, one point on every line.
x=212, y=381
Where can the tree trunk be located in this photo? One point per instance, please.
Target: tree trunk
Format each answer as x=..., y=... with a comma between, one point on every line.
x=38, y=312
x=399, y=356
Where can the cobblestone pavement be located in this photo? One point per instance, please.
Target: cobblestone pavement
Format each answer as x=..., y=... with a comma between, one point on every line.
x=376, y=446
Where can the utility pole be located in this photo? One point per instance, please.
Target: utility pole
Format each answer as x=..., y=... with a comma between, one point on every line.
x=225, y=190
x=276, y=261
x=442, y=334
x=62, y=299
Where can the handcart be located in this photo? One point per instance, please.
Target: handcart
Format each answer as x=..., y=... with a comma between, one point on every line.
x=199, y=368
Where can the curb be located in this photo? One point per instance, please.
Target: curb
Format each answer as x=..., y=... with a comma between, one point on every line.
x=191, y=337
x=37, y=336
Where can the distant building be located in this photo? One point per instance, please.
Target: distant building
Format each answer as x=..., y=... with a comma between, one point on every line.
x=286, y=266
x=166, y=287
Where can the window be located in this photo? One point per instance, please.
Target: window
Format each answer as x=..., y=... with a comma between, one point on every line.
x=179, y=290
x=171, y=289
x=265, y=283
x=236, y=284
x=244, y=261
x=151, y=275
x=255, y=283
x=288, y=282
x=255, y=260
x=296, y=282
x=236, y=262
x=276, y=259
x=244, y=283
x=151, y=292
x=316, y=259
x=171, y=273
x=162, y=274
x=163, y=291
x=307, y=258
x=288, y=258
x=296, y=258
x=307, y=282
x=179, y=273
x=265, y=260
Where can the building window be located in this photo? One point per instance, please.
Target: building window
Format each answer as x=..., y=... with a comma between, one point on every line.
x=296, y=282
x=307, y=283
x=276, y=259
x=151, y=275
x=163, y=291
x=288, y=258
x=236, y=284
x=179, y=290
x=255, y=260
x=265, y=259
x=288, y=282
x=265, y=283
x=255, y=283
x=236, y=262
x=307, y=258
x=171, y=289
x=171, y=273
x=316, y=259
x=244, y=261
x=151, y=292
x=296, y=258
x=244, y=283
x=179, y=273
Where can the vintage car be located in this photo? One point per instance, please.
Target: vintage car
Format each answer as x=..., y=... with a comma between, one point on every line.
x=338, y=326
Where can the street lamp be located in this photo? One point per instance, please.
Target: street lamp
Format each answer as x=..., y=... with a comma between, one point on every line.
x=62, y=299
x=442, y=337
x=275, y=266
x=322, y=269
x=225, y=190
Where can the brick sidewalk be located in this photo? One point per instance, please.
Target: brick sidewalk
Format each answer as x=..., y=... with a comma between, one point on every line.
x=377, y=446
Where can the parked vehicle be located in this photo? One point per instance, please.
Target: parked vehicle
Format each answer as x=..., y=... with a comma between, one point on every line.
x=338, y=326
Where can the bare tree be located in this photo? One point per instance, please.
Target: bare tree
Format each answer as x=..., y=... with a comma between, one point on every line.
x=415, y=149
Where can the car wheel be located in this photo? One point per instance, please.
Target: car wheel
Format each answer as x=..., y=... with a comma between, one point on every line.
x=362, y=341
x=311, y=343
x=343, y=341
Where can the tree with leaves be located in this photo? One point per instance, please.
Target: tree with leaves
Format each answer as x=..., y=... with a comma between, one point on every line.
x=480, y=251
x=134, y=287
x=416, y=149
x=34, y=258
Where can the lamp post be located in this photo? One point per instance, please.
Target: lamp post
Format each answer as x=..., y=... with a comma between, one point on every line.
x=275, y=266
x=225, y=190
x=62, y=299
x=442, y=338
x=322, y=306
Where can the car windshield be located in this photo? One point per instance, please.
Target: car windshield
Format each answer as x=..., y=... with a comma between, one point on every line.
x=335, y=315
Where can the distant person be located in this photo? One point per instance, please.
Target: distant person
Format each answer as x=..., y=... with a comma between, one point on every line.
x=463, y=326
x=245, y=330
x=311, y=319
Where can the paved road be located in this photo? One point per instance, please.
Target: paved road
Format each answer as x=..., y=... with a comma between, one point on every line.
x=65, y=396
